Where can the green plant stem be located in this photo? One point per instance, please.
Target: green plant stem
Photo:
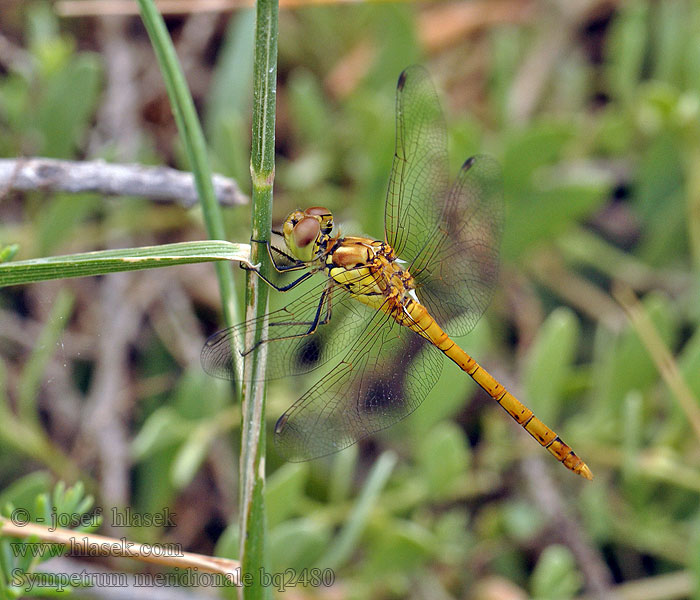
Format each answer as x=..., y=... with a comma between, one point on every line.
x=193, y=140
x=262, y=167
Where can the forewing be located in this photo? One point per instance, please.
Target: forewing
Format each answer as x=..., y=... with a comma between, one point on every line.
x=419, y=173
x=363, y=394
x=457, y=270
x=292, y=350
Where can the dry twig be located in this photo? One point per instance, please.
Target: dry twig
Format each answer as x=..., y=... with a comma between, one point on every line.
x=91, y=544
x=660, y=354
x=160, y=184
x=547, y=497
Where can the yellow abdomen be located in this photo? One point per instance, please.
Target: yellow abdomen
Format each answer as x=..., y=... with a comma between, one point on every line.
x=362, y=284
x=420, y=321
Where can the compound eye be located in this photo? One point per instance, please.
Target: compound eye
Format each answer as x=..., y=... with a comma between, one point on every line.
x=290, y=222
x=317, y=211
x=306, y=231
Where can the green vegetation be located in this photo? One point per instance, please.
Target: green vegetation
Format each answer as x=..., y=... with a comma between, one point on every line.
x=594, y=114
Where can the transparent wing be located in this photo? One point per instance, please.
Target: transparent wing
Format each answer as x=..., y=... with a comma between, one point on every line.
x=457, y=270
x=292, y=347
x=362, y=394
x=419, y=173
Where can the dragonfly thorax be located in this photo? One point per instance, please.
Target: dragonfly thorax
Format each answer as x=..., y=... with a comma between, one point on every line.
x=369, y=269
x=307, y=232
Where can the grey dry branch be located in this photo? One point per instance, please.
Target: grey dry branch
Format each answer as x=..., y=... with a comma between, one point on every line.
x=161, y=184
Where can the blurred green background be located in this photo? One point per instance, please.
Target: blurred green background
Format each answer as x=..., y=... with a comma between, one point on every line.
x=592, y=108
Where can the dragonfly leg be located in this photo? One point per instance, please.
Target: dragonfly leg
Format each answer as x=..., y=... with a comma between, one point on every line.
x=279, y=268
x=313, y=325
x=283, y=288
x=295, y=266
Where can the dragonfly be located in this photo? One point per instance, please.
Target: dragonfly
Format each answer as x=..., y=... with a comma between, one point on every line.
x=369, y=303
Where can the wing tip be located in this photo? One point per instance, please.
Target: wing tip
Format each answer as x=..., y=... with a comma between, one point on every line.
x=402, y=80
x=415, y=70
x=469, y=163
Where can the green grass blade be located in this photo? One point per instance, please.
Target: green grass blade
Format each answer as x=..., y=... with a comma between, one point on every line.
x=33, y=372
x=123, y=259
x=348, y=537
x=193, y=140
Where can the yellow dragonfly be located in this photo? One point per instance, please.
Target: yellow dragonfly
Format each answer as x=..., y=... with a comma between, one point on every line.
x=379, y=302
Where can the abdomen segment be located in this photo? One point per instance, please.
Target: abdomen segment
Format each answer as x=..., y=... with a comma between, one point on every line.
x=426, y=326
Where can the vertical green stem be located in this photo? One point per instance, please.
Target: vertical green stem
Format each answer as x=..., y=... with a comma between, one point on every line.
x=262, y=168
x=252, y=508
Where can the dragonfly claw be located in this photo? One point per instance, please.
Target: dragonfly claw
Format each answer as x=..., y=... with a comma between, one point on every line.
x=250, y=267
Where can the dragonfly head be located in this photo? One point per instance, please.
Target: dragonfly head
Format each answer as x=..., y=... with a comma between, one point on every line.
x=305, y=230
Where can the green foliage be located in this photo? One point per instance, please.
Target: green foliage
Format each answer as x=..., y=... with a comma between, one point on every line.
x=541, y=203
x=443, y=457
x=550, y=363
x=555, y=575
x=297, y=544
x=19, y=558
x=54, y=121
x=7, y=253
x=284, y=492
x=229, y=101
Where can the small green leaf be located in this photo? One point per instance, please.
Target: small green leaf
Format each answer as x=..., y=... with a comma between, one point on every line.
x=34, y=370
x=344, y=544
x=192, y=454
x=659, y=198
x=555, y=576
x=670, y=39
x=227, y=546
x=68, y=105
x=7, y=253
x=163, y=428
x=694, y=555
x=625, y=49
x=623, y=364
x=443, y=457
x=284, y=490
x=549, y=363
x=632, y=447
x=689, y=363
x=341, y=478
x=59, y=493
x=24, y=490
x=400, y=546
x=297, y=544
x=59, y=218
x=521, y=521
